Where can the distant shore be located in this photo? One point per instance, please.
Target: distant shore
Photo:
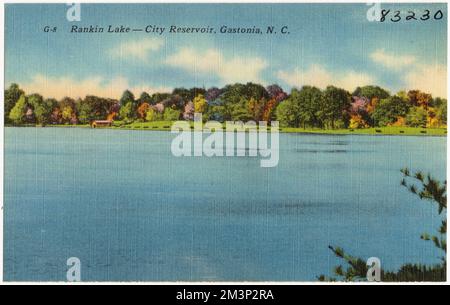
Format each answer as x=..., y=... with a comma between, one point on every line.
x=166, y=126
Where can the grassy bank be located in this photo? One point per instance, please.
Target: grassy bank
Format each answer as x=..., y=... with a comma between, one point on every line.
x=166, y=126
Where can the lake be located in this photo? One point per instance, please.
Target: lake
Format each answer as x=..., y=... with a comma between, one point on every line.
x=130, y=211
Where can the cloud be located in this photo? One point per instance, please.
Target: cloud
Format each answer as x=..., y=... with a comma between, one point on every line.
x=414, y=73
x=211, y=61
x=59, y=87
x=137, y=49
x=428, y=78
x=320, y=77
x=393, y=61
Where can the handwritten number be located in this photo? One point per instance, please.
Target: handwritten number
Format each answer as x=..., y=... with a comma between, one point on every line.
x=425, y=16
x=384, y=13
x=397, y=15
x=438, y=15
x=411, y=16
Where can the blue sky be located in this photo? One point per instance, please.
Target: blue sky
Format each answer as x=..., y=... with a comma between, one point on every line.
x=328, y=44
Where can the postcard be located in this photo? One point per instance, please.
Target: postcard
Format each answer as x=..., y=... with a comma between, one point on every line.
x=225, y=142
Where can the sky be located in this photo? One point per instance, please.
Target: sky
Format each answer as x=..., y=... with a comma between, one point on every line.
x=327, y=44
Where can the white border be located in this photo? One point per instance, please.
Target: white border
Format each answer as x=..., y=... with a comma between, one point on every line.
x=2, y=22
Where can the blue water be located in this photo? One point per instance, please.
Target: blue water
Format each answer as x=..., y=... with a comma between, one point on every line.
x=120, y=202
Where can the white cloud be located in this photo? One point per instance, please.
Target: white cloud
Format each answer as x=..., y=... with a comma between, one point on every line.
x=428, y=78
x=393, y=61
x=320, y=77
x=211, y=61
x=137, y=49
x=59, y=87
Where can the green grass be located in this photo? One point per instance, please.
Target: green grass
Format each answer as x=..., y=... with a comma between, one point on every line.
x=166, y=126
x=374, y=131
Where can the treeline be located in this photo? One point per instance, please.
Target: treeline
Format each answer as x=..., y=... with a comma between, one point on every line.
x=308, y=107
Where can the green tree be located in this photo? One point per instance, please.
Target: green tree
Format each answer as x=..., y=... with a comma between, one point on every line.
x=67, y=114
x=442, y=112
x=85, y=111
x=171, y=114
x=153, y=115
x=17, y=113
x=287, y=113
x=232, y=94
x=127, y=97
x=308, y=100
x=416, y=117
x=145, y=98
x=335, y=102
x=12, y=95
x=389, y=110
x=68, y=109
x=96, y=108
x=42, y=108
x=200, y=104
x=127, y=112
x=44, y=111
x=371, y=92
x=159, y=97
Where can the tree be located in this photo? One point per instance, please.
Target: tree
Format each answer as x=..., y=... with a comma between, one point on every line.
x=159, y=97
x=269, y=110
x=442, y=112
x=189, y=110
x=239, y=111
x=389, y=110
x=67, y=107
x=276, y=92
x=215, y=112
x=17, y=113
x=183, y=93
x=357, y=121
x=232, y=94
x=85, y=111
x=42, y=108
x=256, y=109
x=416, y=117
x=371, y=92
x=212, y=94
x=171, y=114
x=126, y=112
x=419, y=98
x=67, y=114
x=308, y=100
x=335, y=102
x=145, y=98
x=200, y=104
x=287, y=113
x=33, y=101
x=97, y=108
x=174, y=101
x=428, y=189
x=142, y=110
x=127, y=97
x=12, y=95
x=152, y=115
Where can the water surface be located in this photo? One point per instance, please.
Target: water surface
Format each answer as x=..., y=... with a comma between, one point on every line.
x=120, y=202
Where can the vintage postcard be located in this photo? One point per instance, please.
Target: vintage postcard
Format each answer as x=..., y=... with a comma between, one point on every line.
x=225, y=142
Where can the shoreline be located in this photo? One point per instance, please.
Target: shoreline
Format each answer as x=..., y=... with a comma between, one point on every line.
x=380, y=131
